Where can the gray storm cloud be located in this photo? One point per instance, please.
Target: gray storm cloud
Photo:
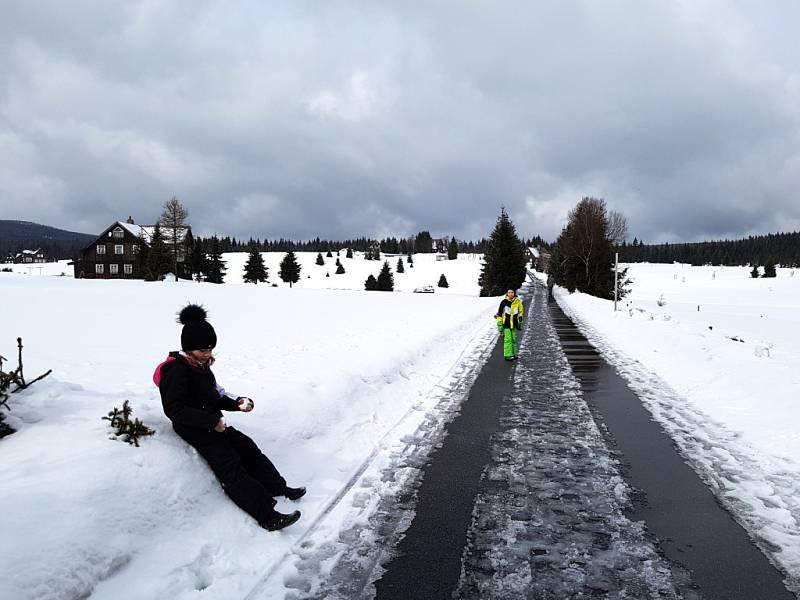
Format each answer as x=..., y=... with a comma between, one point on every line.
x=344, y=119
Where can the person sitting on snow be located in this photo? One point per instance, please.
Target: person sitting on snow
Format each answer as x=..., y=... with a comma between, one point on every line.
x=509, y=322
x=193, y=401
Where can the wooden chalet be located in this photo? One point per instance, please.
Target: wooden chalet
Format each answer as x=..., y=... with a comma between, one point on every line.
x=539, y=259
x=27, y=257
x=113, y=255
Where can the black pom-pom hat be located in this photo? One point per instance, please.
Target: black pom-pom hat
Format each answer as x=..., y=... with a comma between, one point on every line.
x=197, y=334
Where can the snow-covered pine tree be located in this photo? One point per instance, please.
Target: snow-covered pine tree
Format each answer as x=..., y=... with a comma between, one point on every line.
x=371, y=284
x=320, y=260
x=289, y=269
x=769, y=269
x=197, y=259
x=158, y=259
x=254, y=269
x=452, y=249
x=329, y=254
x=385, y=278
x=400, y=267
x=340, y=269
x=215, y=266
x=349, y=253
x=504, y=262
x=443, y=282
x=410, y=261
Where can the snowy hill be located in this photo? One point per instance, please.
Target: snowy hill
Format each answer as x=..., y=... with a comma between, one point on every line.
x=341, y=381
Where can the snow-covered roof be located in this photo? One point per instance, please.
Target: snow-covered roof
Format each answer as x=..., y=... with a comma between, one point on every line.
x=534, y=252
x=146, y=231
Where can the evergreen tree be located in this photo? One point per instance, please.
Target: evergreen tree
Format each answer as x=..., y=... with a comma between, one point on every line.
x=142, y=260
x=504, y=261
x=349, y=253
x=197, y=259
x=452, y=250
x=443, y=282
x=769, y=269
x=371, y=284
x=320, y=260
x=423, y=243
x=158, y=259
x=410, y=261
x=289, y=270
x=400, y=267
x=329, y=255
x=754, y=273
x=254, y=269
x=385, y=278
x=340, y=269
x=215, y=266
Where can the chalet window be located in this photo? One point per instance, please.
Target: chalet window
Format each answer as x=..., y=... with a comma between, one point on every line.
x=134, y=248
x=101, y=248
x=113, y=269
x=98, y=268
x=128, y=268
x=118, y=233
x=119, y=249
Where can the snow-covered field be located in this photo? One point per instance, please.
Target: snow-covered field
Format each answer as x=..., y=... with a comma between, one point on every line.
x=714, y=354
x=338, y=378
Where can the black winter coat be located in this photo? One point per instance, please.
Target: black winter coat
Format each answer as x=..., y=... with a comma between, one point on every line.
x=189, y=395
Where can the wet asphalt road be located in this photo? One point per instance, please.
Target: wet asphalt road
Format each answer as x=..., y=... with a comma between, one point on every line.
x=521, y=500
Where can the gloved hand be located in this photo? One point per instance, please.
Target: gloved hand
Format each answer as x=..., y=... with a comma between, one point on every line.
x=245, y=404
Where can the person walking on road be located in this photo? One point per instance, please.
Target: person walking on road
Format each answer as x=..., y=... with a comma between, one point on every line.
x=193, y=401
x=510, y=316
x=551, y=281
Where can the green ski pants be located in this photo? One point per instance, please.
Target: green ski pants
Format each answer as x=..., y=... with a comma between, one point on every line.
x=509, y=343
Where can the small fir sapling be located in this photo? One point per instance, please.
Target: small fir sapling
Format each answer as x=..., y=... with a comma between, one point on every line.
x=328, y=274
x=17, y=379
x=349, y=253
x=400, y=267
x=769, y=270
x=371, y=284
x=329, y=255
x=129, y=430
x=320, y=260
x=443, y=282
x=340, y=269
x=754, y=273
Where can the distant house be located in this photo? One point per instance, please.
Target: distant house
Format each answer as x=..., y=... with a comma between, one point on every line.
x=441, y=245
x=539, y=259
x=113, y=255
x=9, y=259
x=27, y=257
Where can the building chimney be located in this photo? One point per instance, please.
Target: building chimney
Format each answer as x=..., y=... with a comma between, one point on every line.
x=129, y=221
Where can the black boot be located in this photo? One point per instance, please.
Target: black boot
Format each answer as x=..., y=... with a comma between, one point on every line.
x=294, y=493
x=276, y=520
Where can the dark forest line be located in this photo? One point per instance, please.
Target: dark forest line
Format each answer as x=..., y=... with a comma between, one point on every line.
x=775, y=248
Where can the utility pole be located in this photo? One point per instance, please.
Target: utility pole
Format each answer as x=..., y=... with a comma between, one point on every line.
x=616, y=272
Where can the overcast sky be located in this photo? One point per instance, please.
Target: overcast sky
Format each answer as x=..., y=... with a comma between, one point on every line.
x=342, y=119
